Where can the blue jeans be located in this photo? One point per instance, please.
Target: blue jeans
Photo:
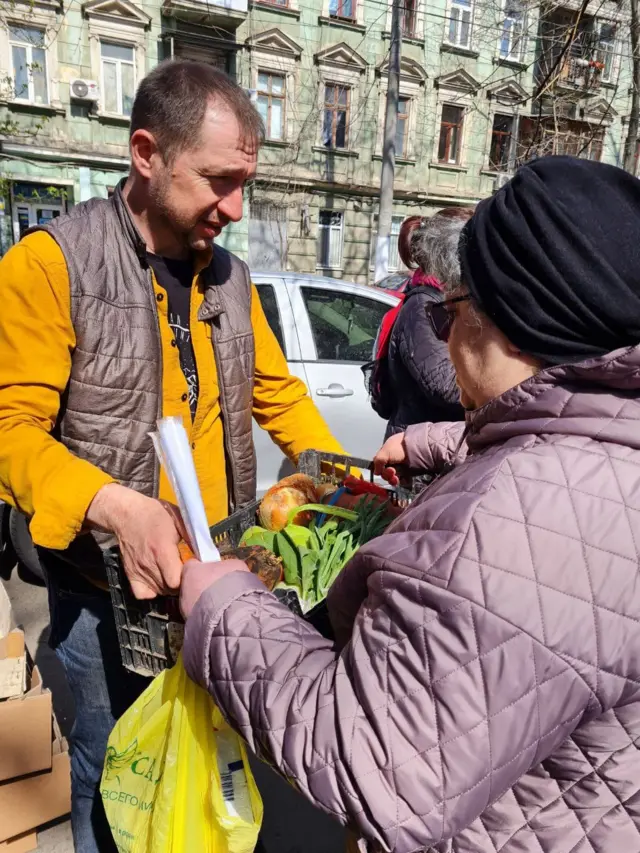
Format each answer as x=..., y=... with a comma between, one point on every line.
x=83, y=634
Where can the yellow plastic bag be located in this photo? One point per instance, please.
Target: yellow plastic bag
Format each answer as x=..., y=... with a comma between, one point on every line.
x=176, y=777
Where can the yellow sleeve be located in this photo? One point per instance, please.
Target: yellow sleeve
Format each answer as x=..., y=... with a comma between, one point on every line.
x=281, y=402
x=37, y=473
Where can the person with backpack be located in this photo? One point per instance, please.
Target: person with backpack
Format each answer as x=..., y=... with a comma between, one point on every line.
x=412, y=379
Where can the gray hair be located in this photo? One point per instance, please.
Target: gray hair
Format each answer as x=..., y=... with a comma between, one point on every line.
x=434, y=247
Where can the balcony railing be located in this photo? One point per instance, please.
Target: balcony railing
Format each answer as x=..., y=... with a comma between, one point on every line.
x=580, y=73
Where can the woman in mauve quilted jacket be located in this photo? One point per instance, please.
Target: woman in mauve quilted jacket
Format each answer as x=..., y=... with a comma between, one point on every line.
x=484, y=693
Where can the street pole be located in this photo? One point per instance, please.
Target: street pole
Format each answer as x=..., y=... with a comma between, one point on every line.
x=385, y=212
x=631, y=142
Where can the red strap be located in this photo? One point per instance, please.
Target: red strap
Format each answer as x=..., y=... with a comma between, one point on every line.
x=386, y=327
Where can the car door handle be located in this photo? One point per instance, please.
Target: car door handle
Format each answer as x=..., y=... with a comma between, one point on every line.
x=335, y=390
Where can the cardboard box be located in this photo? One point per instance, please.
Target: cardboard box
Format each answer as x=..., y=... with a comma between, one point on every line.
x=25, y=843
x=26, y=731
x=13, y=664
x=30, y=801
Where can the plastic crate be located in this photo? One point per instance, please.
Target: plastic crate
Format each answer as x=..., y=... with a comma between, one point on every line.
x=151, y=633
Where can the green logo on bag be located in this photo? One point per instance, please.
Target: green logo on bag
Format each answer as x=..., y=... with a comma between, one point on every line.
x=141, y=765
x=115, y=762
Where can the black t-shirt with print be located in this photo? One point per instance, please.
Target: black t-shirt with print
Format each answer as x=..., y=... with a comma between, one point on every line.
x=176, y=278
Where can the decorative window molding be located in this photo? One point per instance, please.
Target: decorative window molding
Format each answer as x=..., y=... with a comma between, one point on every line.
x=40, y=15
x=117, y=22
x=599, y=112
x=507, y=94
x=341, y=56
x=342, y=66
x=457, y=81
x=273, y=52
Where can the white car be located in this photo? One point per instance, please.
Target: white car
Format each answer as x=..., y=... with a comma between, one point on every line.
x=327, y=329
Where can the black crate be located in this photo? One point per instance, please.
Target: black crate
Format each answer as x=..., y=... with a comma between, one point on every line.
x=150, y=633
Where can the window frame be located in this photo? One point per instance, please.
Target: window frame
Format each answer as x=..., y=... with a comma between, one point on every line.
x=119, y=63
x=270, y=96
x=461, y=6
x=406, y=121
x=28, y=47
x=339, y=16
x=611, y=51
x=396, y=220
x=518, y=45
x=447, y=161
x=331, y=229
x=409, y=19
x=499, y=133
x=335, y=108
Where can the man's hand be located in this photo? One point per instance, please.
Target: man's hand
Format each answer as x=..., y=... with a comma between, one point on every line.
x=197, y=577
x=148, y=536
x=391, y=454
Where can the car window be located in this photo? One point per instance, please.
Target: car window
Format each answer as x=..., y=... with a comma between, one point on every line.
x=344, y=326
x=269, y=301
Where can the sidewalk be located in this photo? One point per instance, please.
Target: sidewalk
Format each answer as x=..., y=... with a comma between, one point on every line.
x=29, y=604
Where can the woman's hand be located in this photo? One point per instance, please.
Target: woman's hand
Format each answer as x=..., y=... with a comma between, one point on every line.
x=198, y=577
x=389, y=457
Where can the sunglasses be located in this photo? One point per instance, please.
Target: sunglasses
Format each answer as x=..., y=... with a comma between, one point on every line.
x=441, y=316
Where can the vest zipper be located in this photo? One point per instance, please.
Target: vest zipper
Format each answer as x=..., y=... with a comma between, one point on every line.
x=156, y=466
x=230, y=462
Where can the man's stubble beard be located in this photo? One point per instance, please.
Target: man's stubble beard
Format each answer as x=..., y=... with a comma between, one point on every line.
x=165, y=215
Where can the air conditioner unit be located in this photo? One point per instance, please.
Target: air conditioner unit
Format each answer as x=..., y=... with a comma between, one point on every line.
x=500, y=180
x=84, y=90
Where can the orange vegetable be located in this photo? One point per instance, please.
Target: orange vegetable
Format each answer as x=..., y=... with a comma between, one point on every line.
x=293, y=491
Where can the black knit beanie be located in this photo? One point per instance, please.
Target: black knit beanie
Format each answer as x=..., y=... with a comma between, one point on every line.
x=553, y=258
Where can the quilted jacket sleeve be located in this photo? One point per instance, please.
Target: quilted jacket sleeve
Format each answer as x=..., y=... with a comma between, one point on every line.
x=431, y=447
x=433, y=709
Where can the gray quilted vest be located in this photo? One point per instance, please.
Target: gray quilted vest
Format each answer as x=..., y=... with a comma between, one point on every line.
x=114, y=395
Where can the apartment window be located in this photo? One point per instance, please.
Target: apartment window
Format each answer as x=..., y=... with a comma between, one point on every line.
x=29, y=60
x=500, y=143
x=450, y=134
x=336, y=116
x=512, y=41
x=579, y=139
x=402, y=127
x=408, y=18
x=282, y=3
x=606, y=52
x=460, y=12
x=118, y=78
x=394, y=258
x=271, y=97
x=330, y=231
x=342, y=9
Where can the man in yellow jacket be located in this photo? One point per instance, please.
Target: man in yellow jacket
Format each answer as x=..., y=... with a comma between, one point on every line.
x=118, y=313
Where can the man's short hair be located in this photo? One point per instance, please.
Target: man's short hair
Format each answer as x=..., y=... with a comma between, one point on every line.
x=172, y=100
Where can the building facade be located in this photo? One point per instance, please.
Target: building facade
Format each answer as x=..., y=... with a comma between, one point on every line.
x=484, y=85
